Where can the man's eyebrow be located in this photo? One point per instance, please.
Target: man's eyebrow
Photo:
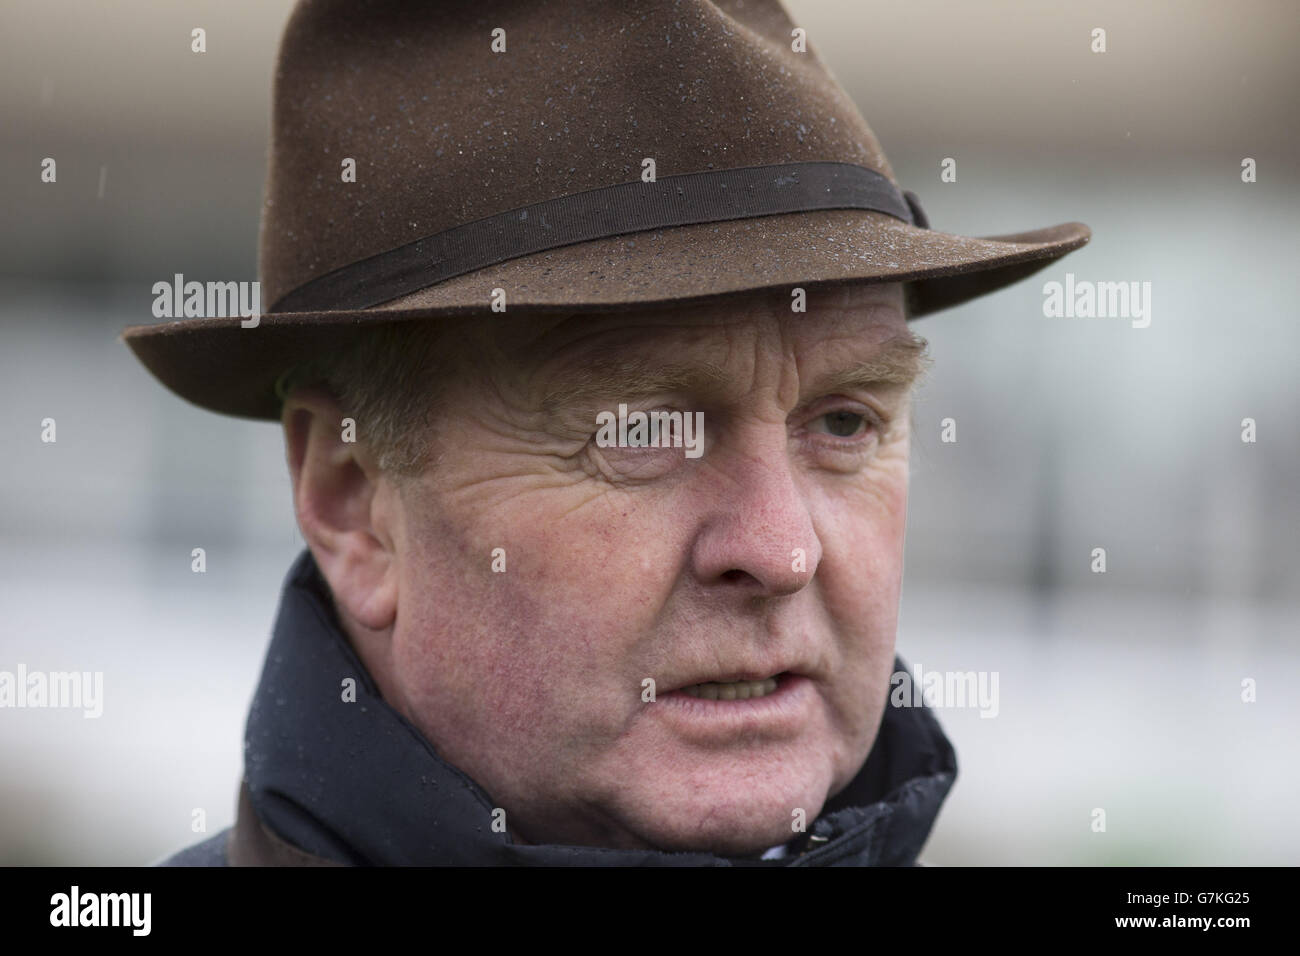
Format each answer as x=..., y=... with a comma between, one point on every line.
x=628, y=377
x=901, y=361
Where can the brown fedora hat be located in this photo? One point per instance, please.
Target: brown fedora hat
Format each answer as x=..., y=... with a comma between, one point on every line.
x=432, y=159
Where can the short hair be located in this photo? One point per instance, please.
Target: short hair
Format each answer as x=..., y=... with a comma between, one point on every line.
x=388, y=379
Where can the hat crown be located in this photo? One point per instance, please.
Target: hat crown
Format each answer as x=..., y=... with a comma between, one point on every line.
x=447, y=122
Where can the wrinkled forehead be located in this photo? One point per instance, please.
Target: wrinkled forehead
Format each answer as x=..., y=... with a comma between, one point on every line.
x=844, y=338
x=805, y=324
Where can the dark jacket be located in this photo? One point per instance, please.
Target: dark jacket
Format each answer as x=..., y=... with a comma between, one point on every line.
x=328, y=782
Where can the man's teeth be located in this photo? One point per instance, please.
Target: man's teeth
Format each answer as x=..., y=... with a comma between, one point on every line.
x=732, y=690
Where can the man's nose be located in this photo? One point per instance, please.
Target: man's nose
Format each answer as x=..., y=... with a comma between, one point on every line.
x=759, y=535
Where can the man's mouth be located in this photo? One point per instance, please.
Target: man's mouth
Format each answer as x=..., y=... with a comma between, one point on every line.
x=743, y=708
x=733, y=690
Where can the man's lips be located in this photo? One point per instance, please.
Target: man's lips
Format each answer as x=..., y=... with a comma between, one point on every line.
x=732, y=685
x=711, y=717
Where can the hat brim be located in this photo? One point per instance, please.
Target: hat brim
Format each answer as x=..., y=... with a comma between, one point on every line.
x=221, y=366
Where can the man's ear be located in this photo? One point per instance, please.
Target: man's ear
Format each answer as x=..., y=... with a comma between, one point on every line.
x=340, y=499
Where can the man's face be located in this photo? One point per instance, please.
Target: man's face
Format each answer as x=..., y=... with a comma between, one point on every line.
x=776, y=554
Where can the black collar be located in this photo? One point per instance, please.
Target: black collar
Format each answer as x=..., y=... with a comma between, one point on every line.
x=357, y=783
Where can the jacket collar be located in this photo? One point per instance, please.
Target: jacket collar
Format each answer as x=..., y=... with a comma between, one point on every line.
x=357, y=783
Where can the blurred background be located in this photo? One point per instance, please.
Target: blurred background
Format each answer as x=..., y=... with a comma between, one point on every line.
x=1119, y=691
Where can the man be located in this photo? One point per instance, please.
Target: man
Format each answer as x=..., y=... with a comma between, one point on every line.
x=588, y=336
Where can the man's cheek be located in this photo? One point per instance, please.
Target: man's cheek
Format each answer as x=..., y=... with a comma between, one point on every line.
x=549, y=623
x=595, y=546
x=866, y=529
x=500, y=665
x=881, y=490
x=862, y=541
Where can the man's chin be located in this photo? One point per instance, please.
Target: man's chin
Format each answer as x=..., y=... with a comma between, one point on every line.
x=739, y=821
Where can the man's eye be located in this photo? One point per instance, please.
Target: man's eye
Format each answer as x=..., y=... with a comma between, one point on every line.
x=841, y=424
